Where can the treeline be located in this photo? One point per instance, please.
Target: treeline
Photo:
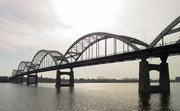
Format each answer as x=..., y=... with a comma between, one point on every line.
x=97, y=80
x=4, y=79
x=87, y=80
x=105, y=80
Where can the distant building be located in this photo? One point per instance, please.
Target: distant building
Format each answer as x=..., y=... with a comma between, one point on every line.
x=177, y=78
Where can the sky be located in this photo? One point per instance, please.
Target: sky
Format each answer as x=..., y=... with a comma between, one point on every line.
x=27, y=26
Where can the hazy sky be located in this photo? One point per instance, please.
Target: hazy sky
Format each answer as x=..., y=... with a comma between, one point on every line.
x=27, y=26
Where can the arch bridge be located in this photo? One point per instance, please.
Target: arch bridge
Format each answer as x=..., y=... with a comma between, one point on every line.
x=101, y=48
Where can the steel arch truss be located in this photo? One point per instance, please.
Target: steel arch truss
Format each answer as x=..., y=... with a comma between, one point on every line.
x=83, y=43
x=40, y=56
x=23, y=66
x=168, y=30
x=14, y=72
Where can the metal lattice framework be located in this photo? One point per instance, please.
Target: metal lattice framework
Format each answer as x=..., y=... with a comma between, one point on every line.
x=83, y=43
x=167, y=31
x=23, y=66
x=37, y=60
x=40, y=56
x=14, y=72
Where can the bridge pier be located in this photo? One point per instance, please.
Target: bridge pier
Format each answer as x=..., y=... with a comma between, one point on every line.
x=58, y=79
x=19, y=79
x=32, y=79
x=59, y=82
x=144, y=79
x=71, y=78
x=164, y=74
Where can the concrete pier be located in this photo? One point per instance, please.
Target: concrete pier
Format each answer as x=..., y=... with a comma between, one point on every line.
x=32, y=79
x=19, y=79
x=164, y=75
x=58, y=79
x=71, y=78
x=144, y=79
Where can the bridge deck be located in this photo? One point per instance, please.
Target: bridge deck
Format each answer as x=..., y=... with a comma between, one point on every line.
x=173, y=49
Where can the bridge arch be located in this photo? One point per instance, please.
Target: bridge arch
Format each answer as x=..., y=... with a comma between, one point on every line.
x=14, y=72
x=40, y=56
x=178, y=41
x=167, y=31
x=88, y=40
x=22, y=66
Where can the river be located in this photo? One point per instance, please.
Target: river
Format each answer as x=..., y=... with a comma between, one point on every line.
x=85, y=97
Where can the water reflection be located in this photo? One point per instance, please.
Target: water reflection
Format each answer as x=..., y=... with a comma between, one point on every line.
x=64, y=99
x=71, y=90
x=86, y=97
x=146, y=104
x=165, y=102
x=58, y=90
x=144, y=101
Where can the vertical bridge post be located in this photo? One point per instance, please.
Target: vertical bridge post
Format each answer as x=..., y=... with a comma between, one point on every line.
x=144, y=79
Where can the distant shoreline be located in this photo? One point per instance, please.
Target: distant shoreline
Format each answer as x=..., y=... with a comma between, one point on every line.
x=81, y=80
x=172, y=81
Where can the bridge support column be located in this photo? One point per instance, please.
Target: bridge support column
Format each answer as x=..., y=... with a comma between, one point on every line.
x=164, y=74
x=19, y=79
x=71, y=78
x=58, y=79
x=32, y=79
x=144, y=79
x=59, y=82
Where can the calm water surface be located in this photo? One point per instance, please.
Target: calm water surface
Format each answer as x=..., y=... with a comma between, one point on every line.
x=85, y=97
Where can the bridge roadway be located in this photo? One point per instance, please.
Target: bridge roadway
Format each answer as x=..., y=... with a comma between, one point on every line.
x=171, y=50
